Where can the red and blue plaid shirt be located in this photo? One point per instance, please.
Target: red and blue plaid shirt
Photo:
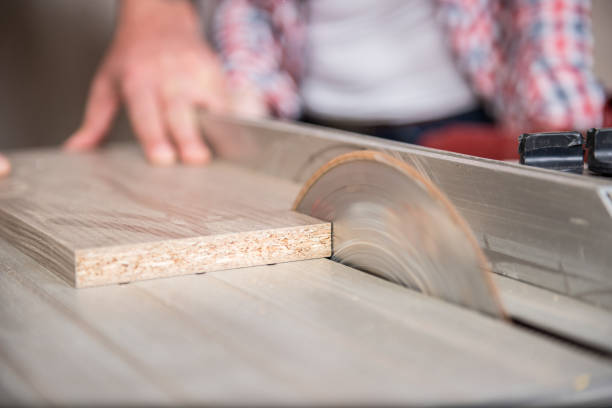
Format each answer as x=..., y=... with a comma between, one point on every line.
x=530, y=61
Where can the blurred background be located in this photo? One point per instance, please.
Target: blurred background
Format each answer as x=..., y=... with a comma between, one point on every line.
x=49, y=51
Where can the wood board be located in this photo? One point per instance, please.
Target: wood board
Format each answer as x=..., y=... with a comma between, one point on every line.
x=298, y=333
x=109, y=217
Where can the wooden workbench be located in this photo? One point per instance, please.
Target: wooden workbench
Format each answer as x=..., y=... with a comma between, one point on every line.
x=305, y=332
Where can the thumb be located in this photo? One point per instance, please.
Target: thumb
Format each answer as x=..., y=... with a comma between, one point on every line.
x=5, y=166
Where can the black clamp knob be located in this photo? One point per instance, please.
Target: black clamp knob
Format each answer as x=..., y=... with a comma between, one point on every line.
x=552, y=150
x=599, y=151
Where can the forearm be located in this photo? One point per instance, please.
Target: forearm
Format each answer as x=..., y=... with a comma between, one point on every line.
x=151, y=10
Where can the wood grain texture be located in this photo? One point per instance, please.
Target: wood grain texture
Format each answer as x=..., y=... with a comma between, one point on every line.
x=298, y=333
x=110, y=218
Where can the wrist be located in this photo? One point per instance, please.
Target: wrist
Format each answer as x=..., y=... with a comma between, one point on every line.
x=157, y=12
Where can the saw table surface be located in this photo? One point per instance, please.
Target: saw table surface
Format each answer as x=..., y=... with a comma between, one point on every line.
x=305, y=332
x=302, y=332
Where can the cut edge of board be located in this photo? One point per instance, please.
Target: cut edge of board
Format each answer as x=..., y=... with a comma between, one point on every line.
x=99, y=266
x=127, y=263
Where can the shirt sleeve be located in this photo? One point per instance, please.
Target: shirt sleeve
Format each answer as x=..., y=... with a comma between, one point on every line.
x=531, y=60
x=250, y=46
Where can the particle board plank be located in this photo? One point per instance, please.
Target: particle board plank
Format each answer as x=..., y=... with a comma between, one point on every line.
x=108, y=217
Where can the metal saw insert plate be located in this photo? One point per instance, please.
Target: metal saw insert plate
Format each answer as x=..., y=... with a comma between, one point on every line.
x=389, y=220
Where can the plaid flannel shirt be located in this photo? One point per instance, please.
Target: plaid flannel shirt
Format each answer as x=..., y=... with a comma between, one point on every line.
x=530, y=61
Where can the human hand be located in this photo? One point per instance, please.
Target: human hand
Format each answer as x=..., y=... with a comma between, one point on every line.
x=159, y=66
x=5, y=166
x=247, y=101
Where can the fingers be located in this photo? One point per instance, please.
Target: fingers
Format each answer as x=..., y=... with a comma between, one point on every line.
x=183, y=93
x=5, y=166
x=183, y=126
x=248, y=102
x=161, y=100
x=145, y=115
x=206, y=87
x=211, y=92
x=101, y=109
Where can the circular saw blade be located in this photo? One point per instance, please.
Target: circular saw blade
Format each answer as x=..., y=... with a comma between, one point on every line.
x=388, y=220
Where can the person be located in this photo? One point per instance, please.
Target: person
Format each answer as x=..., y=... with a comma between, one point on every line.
x=391, y=68
x=400, y=69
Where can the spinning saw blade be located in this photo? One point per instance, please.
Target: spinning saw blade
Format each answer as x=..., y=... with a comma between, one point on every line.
x=388, y=220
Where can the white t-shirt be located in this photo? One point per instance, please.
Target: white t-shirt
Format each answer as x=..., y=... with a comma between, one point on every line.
x=380, y=61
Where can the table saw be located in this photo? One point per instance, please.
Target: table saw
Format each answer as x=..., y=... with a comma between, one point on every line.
x=378, y=273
